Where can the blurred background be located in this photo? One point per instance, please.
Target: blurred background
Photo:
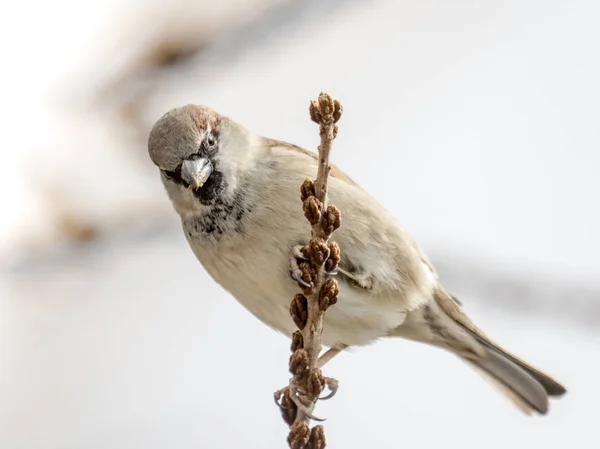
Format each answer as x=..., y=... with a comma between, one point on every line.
x=475, y=123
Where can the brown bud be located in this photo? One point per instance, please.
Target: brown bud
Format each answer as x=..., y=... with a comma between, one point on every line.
x=305, y=250
x=331, y=220
x=299, y=435
x=330, y=265
x=299, y=310
x=335, y=256
x=317, y=438
x=308, y=274
x=297, y=341
x=318, y=251
x=337, y=111
x=307, y=189
x=288, y=408
x=328, y=294
x=312, y=208
x=313, y=110
x=299, y=362
x=326, y=107
x=315, y=383
x=335, y=131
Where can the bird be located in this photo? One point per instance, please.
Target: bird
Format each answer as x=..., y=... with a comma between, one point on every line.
x=237, y=195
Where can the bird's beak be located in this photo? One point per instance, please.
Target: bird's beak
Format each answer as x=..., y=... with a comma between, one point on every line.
x=196, y=171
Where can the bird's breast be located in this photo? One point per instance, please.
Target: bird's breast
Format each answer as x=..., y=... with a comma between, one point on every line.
x=258, y=278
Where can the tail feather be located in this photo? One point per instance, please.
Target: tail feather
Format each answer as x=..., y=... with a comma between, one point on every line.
x=526, y=385
x=509, y=394
x=442, y=323
x=550, y=386
x=514, y=382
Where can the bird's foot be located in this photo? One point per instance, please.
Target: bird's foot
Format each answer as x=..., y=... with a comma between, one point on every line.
x=331, y=384
x=295, y=270
x=289, y=402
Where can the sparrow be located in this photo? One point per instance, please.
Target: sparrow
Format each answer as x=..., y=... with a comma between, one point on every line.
x=237, y=194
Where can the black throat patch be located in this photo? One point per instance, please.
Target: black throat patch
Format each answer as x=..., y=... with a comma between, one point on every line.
x=211, y=192
x=223, y=213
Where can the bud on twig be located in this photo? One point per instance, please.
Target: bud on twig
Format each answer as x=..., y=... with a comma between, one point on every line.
x=299, y=310
x=334, y=257
x=299, y=362
x=299, y=435
x=317, y=438
x=315, y=383
x=297, y=341
x=308, y=274
x=307, y=189
x=328, y=294
x=312, y=209
x=331, y=220
x=318, y=251
x=288, y=408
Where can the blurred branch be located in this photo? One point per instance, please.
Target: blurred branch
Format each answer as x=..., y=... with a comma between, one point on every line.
x=180, y=48
x=492, y=283
x=482, y=283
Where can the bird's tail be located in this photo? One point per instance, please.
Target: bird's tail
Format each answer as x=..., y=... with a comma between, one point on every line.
x=442, y=323
x=524, y=385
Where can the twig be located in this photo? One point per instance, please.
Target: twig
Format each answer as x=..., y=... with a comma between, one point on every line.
x=318, y=258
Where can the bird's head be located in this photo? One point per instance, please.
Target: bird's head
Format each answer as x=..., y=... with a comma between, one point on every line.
x=201, y=154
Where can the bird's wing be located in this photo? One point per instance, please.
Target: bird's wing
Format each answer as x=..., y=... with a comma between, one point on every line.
x=347, y=269
x=357, y=278
x=339, y=174
x=335, y=171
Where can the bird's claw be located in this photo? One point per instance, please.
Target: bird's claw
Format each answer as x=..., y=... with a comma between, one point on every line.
x=313, y=417
x=298, y=254
x=294, y=393
x=277, y=397
x=297, y=275
x=331, y=383
x=298, y=391
x=295, y=270
x=333, y=386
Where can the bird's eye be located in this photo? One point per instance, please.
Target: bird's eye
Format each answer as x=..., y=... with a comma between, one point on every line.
x=210, y=143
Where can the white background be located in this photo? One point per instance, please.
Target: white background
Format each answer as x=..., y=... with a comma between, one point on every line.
x=475, y=123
